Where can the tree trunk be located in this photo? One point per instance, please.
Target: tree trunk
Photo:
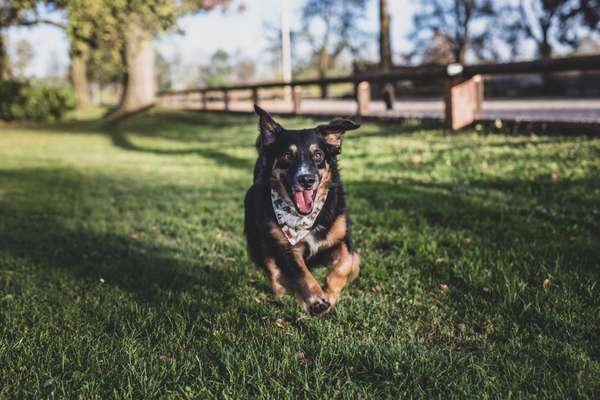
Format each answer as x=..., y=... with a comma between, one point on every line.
x=385, y=47
x=79, y=79
x=323, y=65
x=139, y=90
x=4, y=62
x=544, y=52
x=459, y=54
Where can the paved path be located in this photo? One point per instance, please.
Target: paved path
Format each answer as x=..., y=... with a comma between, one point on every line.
x=547, y=110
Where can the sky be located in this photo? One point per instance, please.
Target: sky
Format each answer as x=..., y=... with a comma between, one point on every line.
x=205, y=33
x=241, y=33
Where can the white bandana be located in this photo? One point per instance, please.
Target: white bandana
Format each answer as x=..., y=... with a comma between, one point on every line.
x=294, y=225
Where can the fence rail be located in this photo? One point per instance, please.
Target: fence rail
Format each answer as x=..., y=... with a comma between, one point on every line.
x=461, y=86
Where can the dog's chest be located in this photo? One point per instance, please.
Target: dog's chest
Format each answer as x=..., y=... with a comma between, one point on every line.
x=313, y=240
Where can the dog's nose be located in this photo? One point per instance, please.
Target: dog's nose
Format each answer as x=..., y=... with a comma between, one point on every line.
x=306, y=180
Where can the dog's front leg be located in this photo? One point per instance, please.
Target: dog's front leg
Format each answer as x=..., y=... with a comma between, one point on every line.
x=308, y=291
x=344, y=269
x=277, y=281
x=296, y=276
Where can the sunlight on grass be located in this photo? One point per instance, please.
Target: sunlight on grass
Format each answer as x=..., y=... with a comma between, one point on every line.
x=123, y=271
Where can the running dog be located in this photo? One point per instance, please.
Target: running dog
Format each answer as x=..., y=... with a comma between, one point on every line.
x=295, y=212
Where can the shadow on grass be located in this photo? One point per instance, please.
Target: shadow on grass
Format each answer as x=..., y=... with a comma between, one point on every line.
x=512, y=244
x=41, y=230
x=122, y=140
x=505, y=220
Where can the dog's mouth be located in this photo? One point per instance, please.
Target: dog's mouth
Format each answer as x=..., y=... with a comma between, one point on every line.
x=304, y=201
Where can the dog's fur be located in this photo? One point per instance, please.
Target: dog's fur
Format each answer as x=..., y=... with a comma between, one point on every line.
x=289, y=160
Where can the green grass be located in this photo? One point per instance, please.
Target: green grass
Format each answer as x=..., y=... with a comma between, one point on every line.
x=123, y=271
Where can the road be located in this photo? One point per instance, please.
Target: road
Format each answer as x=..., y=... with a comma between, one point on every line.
x=582, y=110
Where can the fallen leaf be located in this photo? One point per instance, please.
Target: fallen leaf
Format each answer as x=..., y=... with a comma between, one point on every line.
x=163, y=358
x=376, y=289
x=135, y=236
x=280, y=322
x=444, y=287
x=260, y=297
x=416, y=159
x=546, y=283
x=440, y=260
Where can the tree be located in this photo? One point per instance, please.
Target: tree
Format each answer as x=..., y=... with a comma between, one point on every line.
x=589, y=11
x=546, y=23
x=243, y=69
x=163, y=73
x=385, y=46
x=339, y=21
x=218, y=70
x=452, y=22
x=4, y=61
x=25, y=13
x=11, y=14
x=131, y=25
x=23, y=57
x=439, y=51
x=274, y=37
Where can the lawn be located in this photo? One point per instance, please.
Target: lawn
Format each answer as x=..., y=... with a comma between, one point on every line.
x=123, y=270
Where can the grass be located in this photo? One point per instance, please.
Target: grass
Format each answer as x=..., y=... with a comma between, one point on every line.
x=123, y=271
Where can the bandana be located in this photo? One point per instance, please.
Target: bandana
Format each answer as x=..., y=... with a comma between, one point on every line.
x=294, y=225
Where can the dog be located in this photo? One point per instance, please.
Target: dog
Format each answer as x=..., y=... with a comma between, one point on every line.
x=296, y=216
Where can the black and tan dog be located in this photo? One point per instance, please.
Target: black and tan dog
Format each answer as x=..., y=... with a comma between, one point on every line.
x=296, y=215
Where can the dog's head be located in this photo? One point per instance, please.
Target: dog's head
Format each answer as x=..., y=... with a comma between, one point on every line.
x=300, y=161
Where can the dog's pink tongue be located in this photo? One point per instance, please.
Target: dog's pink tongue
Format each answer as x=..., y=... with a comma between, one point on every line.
x=304, y=201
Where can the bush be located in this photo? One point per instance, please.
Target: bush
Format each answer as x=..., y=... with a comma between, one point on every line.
x=40, y=102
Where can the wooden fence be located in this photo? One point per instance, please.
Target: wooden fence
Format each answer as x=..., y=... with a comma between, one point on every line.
x=462, y=86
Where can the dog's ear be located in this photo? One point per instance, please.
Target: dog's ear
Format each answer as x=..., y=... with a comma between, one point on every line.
x=268, y=127
x=332, y=132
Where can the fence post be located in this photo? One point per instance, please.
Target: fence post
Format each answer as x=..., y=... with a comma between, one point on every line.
x=324, y=90
x=297, y=98
x=463, y=101
x=363, y=98
x=255, y=98
x=226, y=99
x=479, y=89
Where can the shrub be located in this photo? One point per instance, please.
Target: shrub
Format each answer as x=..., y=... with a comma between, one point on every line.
x=40, y=102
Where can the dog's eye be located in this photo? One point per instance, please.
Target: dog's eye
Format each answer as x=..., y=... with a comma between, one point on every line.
x=318, y=156
x=288, y=155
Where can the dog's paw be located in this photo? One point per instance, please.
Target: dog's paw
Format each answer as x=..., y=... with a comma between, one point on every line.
x=318, y=306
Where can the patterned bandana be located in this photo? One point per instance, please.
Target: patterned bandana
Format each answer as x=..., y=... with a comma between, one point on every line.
x=294, y=225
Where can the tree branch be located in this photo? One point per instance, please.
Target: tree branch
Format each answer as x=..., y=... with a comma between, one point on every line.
x=39, y=21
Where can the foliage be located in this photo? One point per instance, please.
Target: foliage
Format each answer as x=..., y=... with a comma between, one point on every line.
x=451, y=24
x=23, y=57
x=589, y=12
x=273, y=36
x=34, y=101
x=124, y=274
x=163, y=73
x=548, y=23
x=218, y=70
x=226, y=69
x=332, y=26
